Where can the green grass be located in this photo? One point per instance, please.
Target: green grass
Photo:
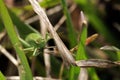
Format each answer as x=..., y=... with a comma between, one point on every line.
x=81, y=53
x=71, y=32
x=2, y=77
x=12, y=23
x=9, y=26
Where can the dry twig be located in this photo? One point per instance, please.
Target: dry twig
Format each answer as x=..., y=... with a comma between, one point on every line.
x=35, y=78
x=60, y=22
x=99, y=63
x=9, y=56
x=83, y=74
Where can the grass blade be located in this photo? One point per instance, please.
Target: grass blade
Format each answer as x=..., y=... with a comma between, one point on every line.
x=81, y=54
x=15, y=41
x=22, y=28
x=2, y=77
x=70, y=29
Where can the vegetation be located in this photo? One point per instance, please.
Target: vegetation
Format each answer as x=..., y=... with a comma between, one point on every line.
x=78, y=40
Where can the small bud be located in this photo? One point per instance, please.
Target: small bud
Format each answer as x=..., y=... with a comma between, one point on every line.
x=91, y=38
x=82, y=21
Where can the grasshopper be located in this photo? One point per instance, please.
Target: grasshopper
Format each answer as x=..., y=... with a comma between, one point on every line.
x=34, y=43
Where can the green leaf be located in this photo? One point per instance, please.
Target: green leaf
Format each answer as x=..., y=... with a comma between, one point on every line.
x=2, y=77
x=44, y=3
x=22, y=28
x=71, y=32
x=92, y=73
x=81, y=53
x=1, y=25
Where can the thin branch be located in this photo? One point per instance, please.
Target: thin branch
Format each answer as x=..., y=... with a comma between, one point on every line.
x=54, y=10
x=47, y=64
x=9, y=56
x=61, y=21
x=99, y=63
x=32, y=19
x=83, y=74
x=34, y=78
x=2, y=34
x=61, y=71
x=50, y=12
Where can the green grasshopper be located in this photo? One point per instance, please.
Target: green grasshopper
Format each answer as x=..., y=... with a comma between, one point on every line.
x=34, y=43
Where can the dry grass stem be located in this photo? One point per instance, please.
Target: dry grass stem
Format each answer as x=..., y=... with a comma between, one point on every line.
x=2, y=34
x=47, y=64
x=32, y=19
x=34, y=78
x=88, y=41
x=61, y=71
x=99, y=63
x=61, y=21
x=83, y=74
x=9, y=56
x=54, y=10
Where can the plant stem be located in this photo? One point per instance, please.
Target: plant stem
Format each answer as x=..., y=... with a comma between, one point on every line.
x=26, y=72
